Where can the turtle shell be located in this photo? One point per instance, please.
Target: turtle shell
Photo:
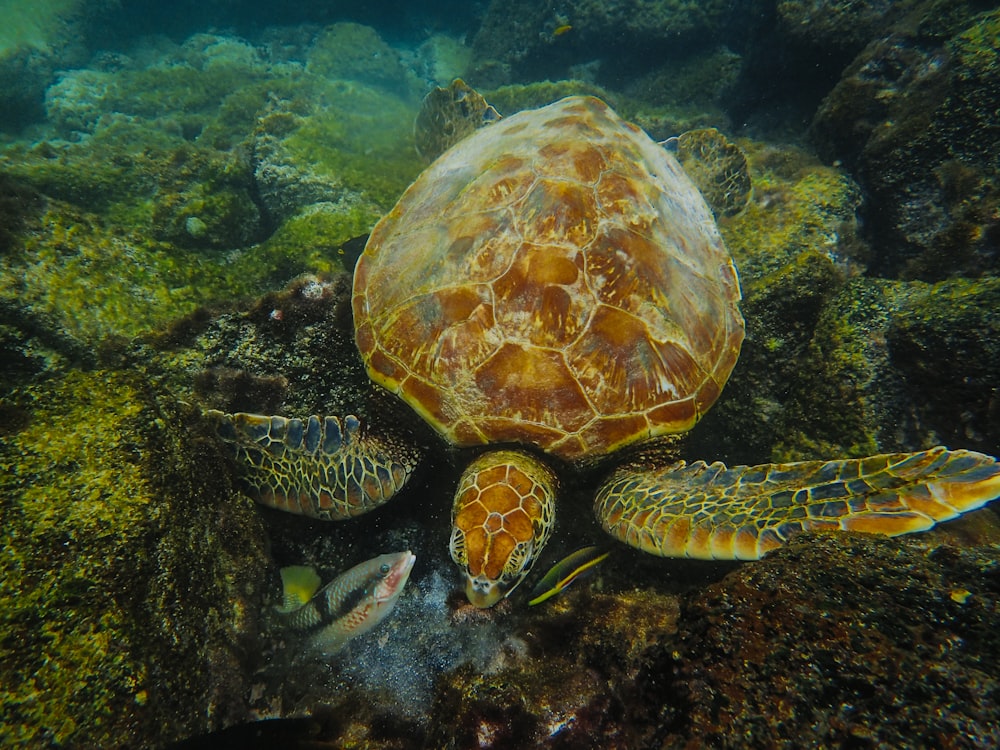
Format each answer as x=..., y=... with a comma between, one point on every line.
x=556, y=280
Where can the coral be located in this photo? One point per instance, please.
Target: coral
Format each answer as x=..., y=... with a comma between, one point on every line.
x=131, y=573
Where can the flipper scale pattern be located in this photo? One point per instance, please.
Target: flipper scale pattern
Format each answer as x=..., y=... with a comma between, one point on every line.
x=329, y=468
x=710, y=511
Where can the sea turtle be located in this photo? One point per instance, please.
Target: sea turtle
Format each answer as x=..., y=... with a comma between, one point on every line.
x=717, y=167
x=554, y=288
x=447, y=115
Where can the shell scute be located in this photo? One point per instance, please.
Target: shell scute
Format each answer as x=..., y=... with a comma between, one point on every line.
x=536, y=387
x=553, y=280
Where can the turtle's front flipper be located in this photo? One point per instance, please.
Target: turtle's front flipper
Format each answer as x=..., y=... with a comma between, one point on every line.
x=714, y=512
x=324, y=467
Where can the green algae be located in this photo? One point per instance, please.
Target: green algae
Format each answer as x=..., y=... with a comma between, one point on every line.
x=360, y=138
x=846, y=399
x=115, y=592
x=97, y=282
x=353, y=52
x=954, y=321
x=156, y=212
x=798, y=205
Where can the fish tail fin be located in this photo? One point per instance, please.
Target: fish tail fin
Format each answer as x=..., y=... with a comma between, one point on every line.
x=299, y=583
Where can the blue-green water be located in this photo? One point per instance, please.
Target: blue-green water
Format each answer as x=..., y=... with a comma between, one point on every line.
x=184, y=190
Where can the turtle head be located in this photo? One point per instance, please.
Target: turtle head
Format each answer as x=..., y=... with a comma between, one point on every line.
x=500, y=521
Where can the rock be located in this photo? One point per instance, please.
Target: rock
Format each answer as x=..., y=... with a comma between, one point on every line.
x=910, y=118
x=133, y=573
x=348, y=145
x=840, y=640
x=956, y=322
x=353, y=52
x=533, y=41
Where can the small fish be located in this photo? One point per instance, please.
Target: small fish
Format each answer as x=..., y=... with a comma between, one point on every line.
x=560, y=30
x=564, y=572
x=352, y=604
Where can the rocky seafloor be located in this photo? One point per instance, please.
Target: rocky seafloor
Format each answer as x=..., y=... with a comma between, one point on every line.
x=178, y=219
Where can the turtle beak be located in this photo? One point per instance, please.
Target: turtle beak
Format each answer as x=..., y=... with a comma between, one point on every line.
x=482, y=592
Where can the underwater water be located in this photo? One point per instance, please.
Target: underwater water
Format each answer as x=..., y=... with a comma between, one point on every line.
x=185, y=191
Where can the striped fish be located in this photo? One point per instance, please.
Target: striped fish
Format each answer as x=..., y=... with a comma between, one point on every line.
x=350, y=605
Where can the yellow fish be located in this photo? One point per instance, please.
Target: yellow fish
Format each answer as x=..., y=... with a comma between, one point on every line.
x=560, y=30
x=564, y=572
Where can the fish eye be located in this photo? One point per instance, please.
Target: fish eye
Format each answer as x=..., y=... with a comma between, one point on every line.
x=385, y=568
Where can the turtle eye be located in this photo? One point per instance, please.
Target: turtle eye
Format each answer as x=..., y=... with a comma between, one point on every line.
x=386, y=567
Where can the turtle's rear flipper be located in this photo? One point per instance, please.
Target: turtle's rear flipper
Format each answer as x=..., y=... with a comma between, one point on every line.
x=709, y=511
x=325, y=467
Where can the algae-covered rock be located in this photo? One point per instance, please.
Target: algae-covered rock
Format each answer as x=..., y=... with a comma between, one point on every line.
x=353, y=52
x=87, y=282
x=793, y=245
x=859, y=371
x=533, y=40
x=798, y=205
x=846, y=398
x=834, y=26
x=838, y=641
x=955, y=322
x=143, y=207
x=913, y=117
x=36, y=40
x=705, y=79
x=132, y=573
x=350, y=145
x=834, y=364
